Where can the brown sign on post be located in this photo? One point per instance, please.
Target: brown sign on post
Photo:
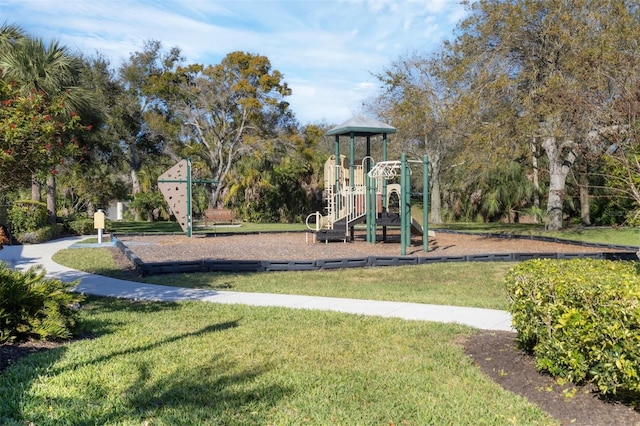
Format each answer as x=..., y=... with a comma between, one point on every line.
x=173, y=185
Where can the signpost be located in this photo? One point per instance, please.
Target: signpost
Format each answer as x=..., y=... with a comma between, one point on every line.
x=98, y=223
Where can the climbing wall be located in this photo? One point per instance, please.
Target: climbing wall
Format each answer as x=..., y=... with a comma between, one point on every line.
x=174, y=190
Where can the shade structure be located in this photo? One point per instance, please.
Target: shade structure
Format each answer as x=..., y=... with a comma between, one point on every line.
x=361, y=125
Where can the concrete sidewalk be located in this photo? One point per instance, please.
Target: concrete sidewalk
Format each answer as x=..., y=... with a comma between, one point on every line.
x=23, y=257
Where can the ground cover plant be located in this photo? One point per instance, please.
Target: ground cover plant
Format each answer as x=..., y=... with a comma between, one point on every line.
x=35, y=307
x=198, y=363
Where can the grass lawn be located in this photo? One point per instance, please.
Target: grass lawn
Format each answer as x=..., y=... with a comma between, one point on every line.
x=477, y=284
x=626, y=236
x=198, y=363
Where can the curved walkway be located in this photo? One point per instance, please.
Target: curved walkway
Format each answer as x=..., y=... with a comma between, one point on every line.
x=23, y=257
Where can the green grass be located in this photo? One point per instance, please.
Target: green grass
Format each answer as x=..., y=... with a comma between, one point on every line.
x=461, y=284
x=95, y=260
x=206, y=364
x=626, y=236
x=478, y=284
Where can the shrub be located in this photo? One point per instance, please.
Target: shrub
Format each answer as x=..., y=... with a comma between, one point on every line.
x=27, y=216
x=40, y=235
x=81, y=226
x=33, y=306
x=85, y=226
x=580, y=318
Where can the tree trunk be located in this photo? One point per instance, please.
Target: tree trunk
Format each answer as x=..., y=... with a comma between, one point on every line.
x=536, y=181
x=51, y=199
x=584, y=199
x=135, y=189
x=36, y=189
x=559, y=167
x=91, y=209
x=435, y=216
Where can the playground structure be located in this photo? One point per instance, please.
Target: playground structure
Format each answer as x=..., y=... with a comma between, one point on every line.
x=175, y=185
x=361, y=193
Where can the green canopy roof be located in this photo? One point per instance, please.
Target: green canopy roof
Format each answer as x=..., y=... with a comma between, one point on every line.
x=361, y=125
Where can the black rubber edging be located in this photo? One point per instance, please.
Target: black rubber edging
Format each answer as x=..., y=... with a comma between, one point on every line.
x=240, y=266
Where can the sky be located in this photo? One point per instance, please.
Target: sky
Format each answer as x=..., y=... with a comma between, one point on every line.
x=328, y=50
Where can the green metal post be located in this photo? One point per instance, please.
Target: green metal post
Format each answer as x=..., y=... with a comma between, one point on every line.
x=374, y=209
x=368, y=166
x=425, y=203
x=403, y=205
x=370, y=200
x=336, y=191
x=189, y=212
x=384, y=181
x=368, y=210
x=352, y=160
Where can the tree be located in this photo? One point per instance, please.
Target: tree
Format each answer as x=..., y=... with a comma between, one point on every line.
x=622, y=156
x=417, y=101
x=228, y=110
x=556, y=67
x=35, y=137
x=139, y=106
x=101, y=175
x=281, y=182
x=48, y=75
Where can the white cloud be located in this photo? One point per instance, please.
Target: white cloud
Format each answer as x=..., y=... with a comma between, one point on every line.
x=327, y=49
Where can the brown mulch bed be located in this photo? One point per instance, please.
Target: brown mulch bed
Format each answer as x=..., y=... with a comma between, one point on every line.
x=495, y=353
x=299, y=246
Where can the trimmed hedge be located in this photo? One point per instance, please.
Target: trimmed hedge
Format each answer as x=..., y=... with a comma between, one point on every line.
x=85, y=226
x=41, y=235
x=580, y=318
x=33, y=306
x=27, y=216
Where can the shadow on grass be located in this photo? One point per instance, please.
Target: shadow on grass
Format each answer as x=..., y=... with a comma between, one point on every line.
x=111, y=305
x=215, y=389
x=217, y=393
x=143, y=348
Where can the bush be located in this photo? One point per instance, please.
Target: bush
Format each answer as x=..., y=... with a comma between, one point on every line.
x=27, y=216
x=32, y=306
x=581, y=319
x=82, y=226
x=40, y=235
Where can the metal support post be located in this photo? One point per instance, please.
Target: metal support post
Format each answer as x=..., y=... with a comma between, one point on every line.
x=403, y=206
x=425, y=203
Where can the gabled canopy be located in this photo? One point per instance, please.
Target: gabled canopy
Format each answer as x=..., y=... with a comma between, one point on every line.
x=361, y=125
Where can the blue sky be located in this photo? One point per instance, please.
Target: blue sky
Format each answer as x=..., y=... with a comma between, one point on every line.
x=326, y=49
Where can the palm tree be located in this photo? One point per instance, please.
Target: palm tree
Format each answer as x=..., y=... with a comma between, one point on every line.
x=50, y=70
